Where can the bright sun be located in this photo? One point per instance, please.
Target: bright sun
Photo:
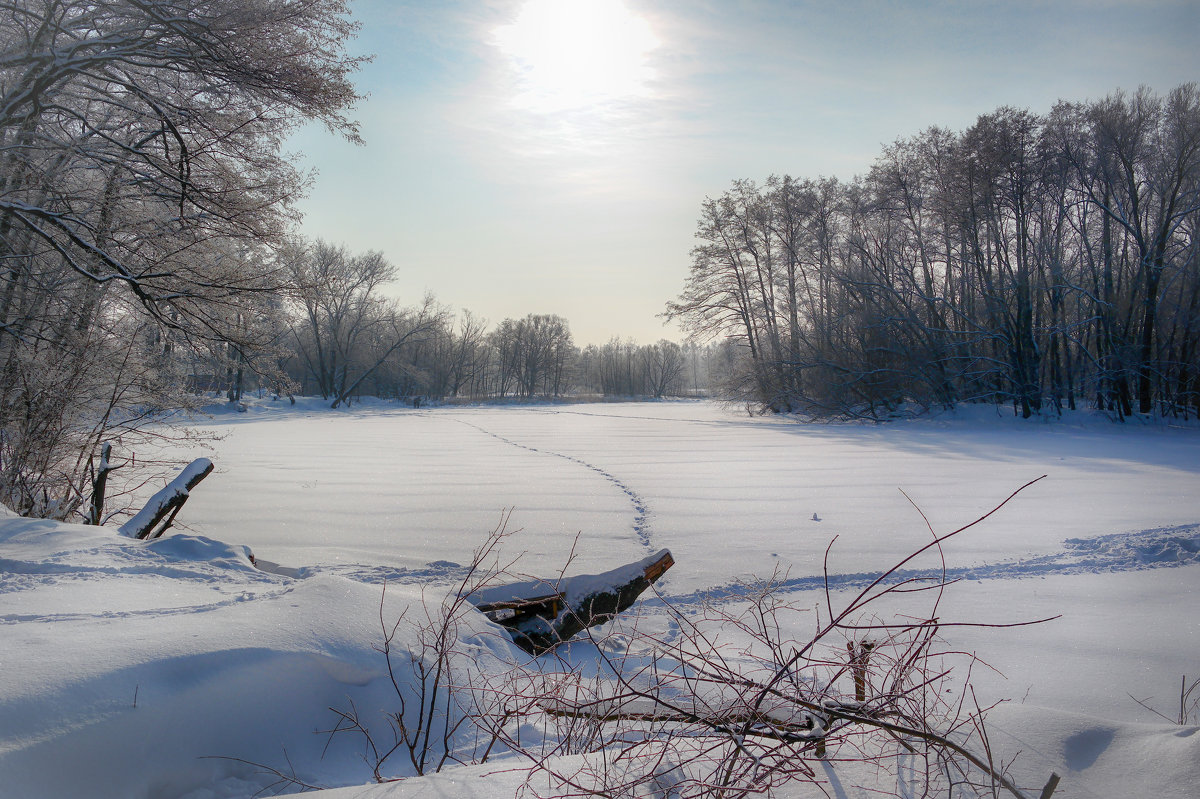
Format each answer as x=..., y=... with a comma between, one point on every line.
x=577, y=54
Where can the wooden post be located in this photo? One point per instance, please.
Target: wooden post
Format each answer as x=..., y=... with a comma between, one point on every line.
x=859, y=655
x=99, y=484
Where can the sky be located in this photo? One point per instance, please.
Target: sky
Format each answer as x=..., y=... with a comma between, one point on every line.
x=552, y=156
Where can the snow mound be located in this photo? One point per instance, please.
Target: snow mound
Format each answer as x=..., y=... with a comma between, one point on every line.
x=1095, y=756
x=168, y=668
x=1145, y=549
x=1162, y=546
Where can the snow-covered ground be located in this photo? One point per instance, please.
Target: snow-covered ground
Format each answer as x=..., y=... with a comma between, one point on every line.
x=131, y=669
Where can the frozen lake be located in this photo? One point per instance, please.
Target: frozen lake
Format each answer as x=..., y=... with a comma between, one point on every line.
x=732, y=496
x=108, y=641
x=735, y=497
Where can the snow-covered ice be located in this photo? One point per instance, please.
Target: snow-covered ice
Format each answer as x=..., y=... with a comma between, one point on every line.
x=133, y=668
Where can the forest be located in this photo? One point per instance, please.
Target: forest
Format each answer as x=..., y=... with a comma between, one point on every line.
x=153, y=257
x=1047, y=261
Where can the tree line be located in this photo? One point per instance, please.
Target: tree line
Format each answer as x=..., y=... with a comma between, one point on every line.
x=338, y=336
x=1043, y=261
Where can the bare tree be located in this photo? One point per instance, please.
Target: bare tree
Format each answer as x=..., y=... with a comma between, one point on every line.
x=533, y=356
x=345, y=329
x=1026, y=260
x=468, y=359
x=663, y=365
x=142, y=188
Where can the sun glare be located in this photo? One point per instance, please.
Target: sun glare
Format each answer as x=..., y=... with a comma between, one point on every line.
x=577, y=54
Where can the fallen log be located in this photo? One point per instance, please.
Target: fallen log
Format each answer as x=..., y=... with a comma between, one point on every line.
x=167, y=502
x=540, y=615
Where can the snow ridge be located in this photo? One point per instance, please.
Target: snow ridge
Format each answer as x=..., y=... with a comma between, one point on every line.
x=143, y=569
x=1154, y=548
x=641, y=519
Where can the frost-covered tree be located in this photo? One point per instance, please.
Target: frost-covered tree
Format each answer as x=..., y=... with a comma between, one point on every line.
x=532, y=356
x=344, y=329
x=142, y=189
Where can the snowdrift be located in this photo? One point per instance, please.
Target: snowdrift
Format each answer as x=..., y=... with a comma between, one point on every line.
x=175, y=668
x=167, y=668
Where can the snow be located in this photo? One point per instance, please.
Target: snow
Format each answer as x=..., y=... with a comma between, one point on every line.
x=164, y=668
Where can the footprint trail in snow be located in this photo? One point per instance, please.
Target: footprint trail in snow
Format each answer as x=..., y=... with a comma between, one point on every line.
x=641, y=519
x=1155, y=548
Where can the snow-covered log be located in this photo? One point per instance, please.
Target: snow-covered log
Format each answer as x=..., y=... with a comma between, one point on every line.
x=540, y=615
x=167, y=502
